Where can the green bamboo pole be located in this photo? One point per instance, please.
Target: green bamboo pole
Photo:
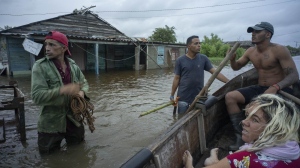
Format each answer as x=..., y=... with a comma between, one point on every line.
x=157, y=108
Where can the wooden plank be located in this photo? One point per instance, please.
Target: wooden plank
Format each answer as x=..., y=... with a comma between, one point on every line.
x=16, y=103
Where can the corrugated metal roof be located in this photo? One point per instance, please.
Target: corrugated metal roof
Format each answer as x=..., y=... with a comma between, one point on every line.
x=87, y=25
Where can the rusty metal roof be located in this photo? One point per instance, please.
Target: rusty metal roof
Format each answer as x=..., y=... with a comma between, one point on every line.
x=79, y=26
x=87, y=25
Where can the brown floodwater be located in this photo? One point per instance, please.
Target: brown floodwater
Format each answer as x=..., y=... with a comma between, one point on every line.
x=119, y=98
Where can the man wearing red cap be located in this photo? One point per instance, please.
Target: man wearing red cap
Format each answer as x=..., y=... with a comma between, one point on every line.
x=54, y=79
x=276, y=71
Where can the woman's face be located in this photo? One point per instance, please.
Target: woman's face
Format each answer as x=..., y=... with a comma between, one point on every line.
x=253, y=125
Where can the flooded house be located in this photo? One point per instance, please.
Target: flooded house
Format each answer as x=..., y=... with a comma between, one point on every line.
x=95, y=45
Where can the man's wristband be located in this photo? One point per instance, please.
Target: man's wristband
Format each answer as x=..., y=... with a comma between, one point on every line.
x=171, y=97
x=276, y=86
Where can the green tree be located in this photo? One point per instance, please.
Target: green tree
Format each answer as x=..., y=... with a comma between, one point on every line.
x=166, y=34
x=239, y=52
x=294, y=51
x=213, y=46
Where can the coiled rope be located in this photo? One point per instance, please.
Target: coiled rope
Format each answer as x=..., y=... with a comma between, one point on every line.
x=83, y=109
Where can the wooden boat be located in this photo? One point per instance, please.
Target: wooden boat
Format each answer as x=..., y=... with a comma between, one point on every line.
x=205, y=127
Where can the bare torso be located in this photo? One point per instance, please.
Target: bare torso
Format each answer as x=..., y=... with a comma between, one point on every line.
x=267, y=64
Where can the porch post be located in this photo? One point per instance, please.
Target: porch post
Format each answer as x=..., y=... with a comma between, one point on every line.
x=137, y=57
x=96, y=58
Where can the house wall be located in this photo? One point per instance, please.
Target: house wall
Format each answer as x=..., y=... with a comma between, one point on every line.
x=110, y=56
x=168, y=61
x=3, y=53
x=78, y=54
x=120, y=56
x=18, y=58
x=91, y=58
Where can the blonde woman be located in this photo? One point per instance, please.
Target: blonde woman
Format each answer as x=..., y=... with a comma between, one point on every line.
x=270, y=131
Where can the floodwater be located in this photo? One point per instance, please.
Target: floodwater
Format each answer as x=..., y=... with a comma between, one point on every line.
x=119, y=98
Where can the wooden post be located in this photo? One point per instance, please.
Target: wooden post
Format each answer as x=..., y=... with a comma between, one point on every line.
x=22, y=121
x=96, y=58
x=137, y=57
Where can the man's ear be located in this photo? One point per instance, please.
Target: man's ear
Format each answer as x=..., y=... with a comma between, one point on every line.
x=268, y=35
x=64, y=48
x=188, y=46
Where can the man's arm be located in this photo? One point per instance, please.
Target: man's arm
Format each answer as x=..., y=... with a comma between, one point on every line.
x=41, y=94
x=220, y=76
x=241, y=62
x=175, y=84
x=288, y=65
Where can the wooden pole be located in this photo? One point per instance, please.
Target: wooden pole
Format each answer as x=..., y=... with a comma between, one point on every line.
x=214, y=75
x=289, y=96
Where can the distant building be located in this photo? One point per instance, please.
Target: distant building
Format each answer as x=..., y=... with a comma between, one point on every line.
x=94, y=43
x=244, y=44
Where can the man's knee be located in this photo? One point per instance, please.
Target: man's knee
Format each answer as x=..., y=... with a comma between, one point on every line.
x=229, y=97
x=49, y=143
x=182, y=107
x=233, y=97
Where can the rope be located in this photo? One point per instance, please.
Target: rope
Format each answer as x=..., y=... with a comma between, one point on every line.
x=83, y=109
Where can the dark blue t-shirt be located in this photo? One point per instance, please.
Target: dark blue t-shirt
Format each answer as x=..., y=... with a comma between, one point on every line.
x=191, y=72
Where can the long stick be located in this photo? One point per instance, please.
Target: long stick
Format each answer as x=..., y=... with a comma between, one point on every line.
x=174, y=110
x=214, y=75
x=287, y=95
x=155, y=109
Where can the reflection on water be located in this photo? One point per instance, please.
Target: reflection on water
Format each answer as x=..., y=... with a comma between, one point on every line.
x=119, y=98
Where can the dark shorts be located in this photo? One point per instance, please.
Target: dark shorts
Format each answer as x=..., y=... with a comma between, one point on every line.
x=255, y=90
x=49, y=142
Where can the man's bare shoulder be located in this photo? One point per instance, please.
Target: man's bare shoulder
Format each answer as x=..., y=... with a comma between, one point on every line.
x=279, y=50
x=249, y=51
x=276, y=46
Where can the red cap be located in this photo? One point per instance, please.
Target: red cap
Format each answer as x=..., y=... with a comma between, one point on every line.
x=58, y=36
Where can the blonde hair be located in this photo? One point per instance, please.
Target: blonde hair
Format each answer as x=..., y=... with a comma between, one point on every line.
x=283, y=121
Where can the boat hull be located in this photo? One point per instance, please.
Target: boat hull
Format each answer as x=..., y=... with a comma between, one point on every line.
x=195, y=131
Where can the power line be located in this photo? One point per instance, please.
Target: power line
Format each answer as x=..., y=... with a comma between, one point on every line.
x=158, y=10
x=7, y=14
x=204, y=12
x=287, y=33
x=162, y=10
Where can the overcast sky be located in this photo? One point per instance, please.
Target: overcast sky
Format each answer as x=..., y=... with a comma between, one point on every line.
x=137, y=18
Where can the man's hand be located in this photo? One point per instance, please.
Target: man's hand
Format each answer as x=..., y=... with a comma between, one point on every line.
x=81, y=93
x=232, y=58
x=271, y=90
x=70, y=89
x=172, y=98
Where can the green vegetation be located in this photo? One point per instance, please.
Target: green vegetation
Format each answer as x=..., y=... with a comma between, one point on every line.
x=216, y=60
x=166, y=34
x=215, y=47
x=294, y=51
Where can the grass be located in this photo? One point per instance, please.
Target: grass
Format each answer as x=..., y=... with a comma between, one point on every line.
x=216, y=60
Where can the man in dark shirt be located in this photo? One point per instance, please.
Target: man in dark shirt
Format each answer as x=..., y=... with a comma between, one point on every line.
x=189, y=74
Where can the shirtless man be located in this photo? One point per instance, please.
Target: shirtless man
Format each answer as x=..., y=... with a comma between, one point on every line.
x=276, y=71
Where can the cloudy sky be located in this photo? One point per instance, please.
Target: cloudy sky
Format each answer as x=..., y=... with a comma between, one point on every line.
x=137, y=18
